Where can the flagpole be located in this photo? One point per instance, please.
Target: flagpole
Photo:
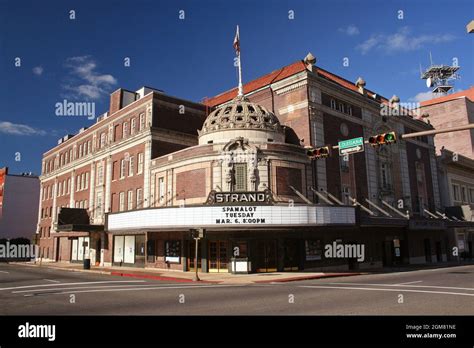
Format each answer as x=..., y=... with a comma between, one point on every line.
x=241, y=89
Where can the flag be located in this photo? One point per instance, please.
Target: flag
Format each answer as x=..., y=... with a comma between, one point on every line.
x=237, y=42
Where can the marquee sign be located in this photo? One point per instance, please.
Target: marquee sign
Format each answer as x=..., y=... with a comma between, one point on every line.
x=224, y=216
x=239, y=198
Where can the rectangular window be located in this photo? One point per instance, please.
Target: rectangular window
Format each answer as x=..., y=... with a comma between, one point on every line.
x=102, y=140
x=83, y=181
x=471, y=195
x=463, y=194
x=122, y=201
x=130, y=200
x=131, y=163
x=456, y=196
x=100, y=174
x=78, y=183
x=172, y=251
x=87, y=181
x=122, y=168
x=142, y=122
x=80, y=151
x=139, y=198
x=68, y=185
x=140, y=163
x=313, y=250
x=240, y=177
x=133, y=126
x=125, y=130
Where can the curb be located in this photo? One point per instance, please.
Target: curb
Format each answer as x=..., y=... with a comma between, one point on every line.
x=157, y=277
x=327, y=275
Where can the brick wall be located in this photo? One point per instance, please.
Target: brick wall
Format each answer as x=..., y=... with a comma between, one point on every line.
x=332, y=135
x=191, y=184
x=286, y=177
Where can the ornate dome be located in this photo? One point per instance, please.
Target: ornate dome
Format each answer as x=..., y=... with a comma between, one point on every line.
x=241, y=114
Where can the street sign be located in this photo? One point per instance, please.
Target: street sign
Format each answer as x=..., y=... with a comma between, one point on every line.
x=347, y=147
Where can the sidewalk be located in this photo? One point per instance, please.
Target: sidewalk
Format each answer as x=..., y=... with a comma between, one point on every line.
x=173, y=276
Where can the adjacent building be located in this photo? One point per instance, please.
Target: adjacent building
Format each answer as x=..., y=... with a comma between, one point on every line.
x=154, y=168
x=19, y=195
x=455, y=163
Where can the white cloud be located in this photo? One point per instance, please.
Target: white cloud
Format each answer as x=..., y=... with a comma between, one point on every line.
x=350, y=30
x=19, y=129
x=402, y=40
x=38, y=70
x=85, y=81
x=422, y=96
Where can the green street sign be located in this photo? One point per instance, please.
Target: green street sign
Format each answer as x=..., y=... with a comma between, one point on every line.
x=350, y=146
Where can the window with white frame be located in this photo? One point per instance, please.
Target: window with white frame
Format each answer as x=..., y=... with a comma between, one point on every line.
x=133, y=126
x=98, y=205
x=100, y=174
x=333, y=104
x=83, y=181
x=122, y=201
x=142, y=122
x=122, y=168
x=125, y=130
x=130, y=200
x=102, y=140
x=87, y=181
x=139, y=198
x=140, y=163
x=131, y=163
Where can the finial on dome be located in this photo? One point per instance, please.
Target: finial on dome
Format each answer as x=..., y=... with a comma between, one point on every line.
x=309, y=61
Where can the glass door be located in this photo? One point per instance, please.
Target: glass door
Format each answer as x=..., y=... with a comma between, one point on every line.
x=266, y=255
x=218, y=256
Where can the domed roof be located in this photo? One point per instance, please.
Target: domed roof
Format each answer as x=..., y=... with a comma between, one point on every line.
x=241, y=114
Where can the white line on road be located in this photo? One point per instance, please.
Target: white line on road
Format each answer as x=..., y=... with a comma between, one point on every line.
x=416, y=281
x=76, y=283
x=105, y=286
x=142, y=288
x=4, y=272
x=412, y=286
x=393, y=290
x=52, y=281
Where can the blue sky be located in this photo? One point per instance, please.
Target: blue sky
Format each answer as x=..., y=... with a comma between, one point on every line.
x=83, y=59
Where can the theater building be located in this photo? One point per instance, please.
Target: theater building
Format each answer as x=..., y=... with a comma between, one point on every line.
x=236, y=167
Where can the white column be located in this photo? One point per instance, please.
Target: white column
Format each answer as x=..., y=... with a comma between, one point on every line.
x=92, y=191
x=146, y=174
x=72, y=189
x=108, y=181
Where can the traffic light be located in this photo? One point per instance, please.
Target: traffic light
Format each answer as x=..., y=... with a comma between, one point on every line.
x=318, y=152
x=383, y=139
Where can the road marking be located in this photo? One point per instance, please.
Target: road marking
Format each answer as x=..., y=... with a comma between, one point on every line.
x=4, y=272
x=76, y=283
x=393, y=290
x=416, y=281
x=52, y=281
x=105, y=286
x=142, y=288
x=412, y=286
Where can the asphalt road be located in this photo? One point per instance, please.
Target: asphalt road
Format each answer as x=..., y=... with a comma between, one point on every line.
x=42, y=291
